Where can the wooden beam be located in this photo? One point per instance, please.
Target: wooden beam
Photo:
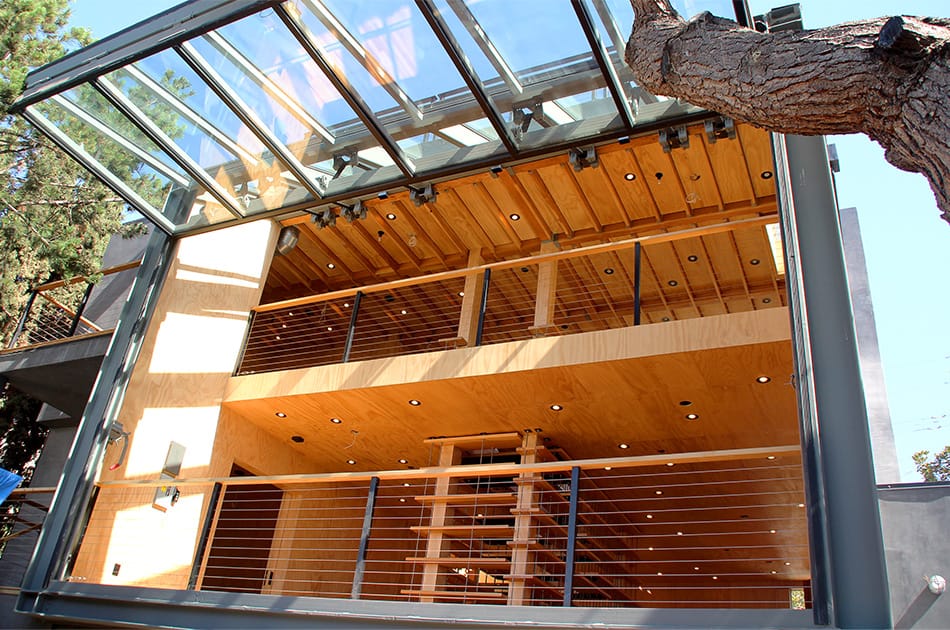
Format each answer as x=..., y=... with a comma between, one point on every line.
x=547, y=289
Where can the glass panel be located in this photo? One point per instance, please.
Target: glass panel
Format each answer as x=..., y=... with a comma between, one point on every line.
x=545, y=93
x=91, y=122
x=273, y=74
x=202, y=126
x=389, y=55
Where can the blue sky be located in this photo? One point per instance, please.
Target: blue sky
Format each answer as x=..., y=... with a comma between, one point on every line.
x=907, y=244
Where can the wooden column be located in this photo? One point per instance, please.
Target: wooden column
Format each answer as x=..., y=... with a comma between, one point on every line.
x=468, y=317
x=450, y=455
x=521, y=566
x=547, y=293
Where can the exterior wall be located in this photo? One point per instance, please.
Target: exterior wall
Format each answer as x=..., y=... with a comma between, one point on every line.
x=175, y=396
x=914, y=518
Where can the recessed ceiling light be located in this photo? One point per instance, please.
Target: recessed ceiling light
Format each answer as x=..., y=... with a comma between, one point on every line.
x=788, y=564
x=414, y=402
x=770, y=457
x=461, y=293
x=659, y=573
x=623, y=445
x=692, y=258
x=391, y=216
x=666, y=319
x=608, y=467
x=296, y=438
x=686, y=403
x=514, y=216
x=766, y=174
x=763, y=379
x=649, y=516
x=406, y=484
x=402, y=500
x=629, y=176
x=754, y=261
x=556, y=407
x=280, y=414
x=801, y=505
x=331, y=266
x=692, y=416
x=609, y=271
x=766, y=300
x=329, y=328
x=403, y=461
x=403, y=311
x=773, y=572
x=346, y=305
x=336, y=421
x=649, y=548
x=715, y=577
x=525, y=270
x=695, y=568
x=351, y=461
x=679, y=533
x=659, y=492
x=277, y=337
x=672, y=283
x=670, y=464
x=772, y=531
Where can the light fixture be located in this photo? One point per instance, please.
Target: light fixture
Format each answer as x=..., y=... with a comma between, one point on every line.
x=461, y=293
x=649, y=516
x=403, y=461
x=649, y=548
x=329, y=328
x=666, y=319
x=788, y=564
x=406, y=484
x=351, y=462
x=514, y=216
x=525, y=270
x=629, y=176
x=391, y=216
x=346, y=305
x=623, y=445
x=556, y=407
x=773, y=572
x=679, y=533
x=754, y=261
x=686, y=403
x=658, y=492
x=658, y=573
x=296, y=438
x=772, y=531
x=670, y=464
x=692, y=416
x=766, y=300
x=331, y=266
x=402, y=500
x=414, y=402
x=609, y=271
x=801, y=505
x=695, y=568
x=672, y=283
x=763, y=379
x=770, y=457
x=692, y=258
x=766, y=174
x=608, y=467
x=336, y=421
x=280, y=414
x=715, y=577
x=403, y=312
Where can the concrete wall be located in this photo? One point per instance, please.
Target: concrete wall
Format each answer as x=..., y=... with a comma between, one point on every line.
x=914, y=518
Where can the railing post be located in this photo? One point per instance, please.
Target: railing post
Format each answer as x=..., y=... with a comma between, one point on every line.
x=205, y=536
x=571, y=538
x=364, y=538
x=80, y=309
x=483, y=307
x=636, y=284
x=23, y=317
x=352, y=330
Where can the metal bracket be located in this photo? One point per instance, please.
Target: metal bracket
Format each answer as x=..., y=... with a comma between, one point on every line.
x=582, y=157
x=720, y=128
x=674, y=138
x=117, y=433
x=323, y=219
x=523, y=114
x=354, y=212
x=426, y=194
x=342, y=159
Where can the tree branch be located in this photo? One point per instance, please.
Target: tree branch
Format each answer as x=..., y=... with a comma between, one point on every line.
x=887, y=78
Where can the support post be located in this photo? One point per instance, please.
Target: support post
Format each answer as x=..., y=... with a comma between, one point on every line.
x=351, y=332
x=522, y=565
x=205, y=535
x=546, y=294
x=364, y=538
x=80, y=309
x=849, y=574
x=571, y=538
x=636, y=284
x=449, y=455
x=471, y=302
x=486, y=284
x=23, y=317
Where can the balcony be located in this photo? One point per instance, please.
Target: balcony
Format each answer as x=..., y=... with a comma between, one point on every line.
x=507, y=522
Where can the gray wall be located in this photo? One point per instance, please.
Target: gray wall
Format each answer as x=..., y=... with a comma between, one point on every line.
x=914, y=518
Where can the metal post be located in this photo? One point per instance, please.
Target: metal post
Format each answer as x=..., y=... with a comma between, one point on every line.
x=636, y=284
x=364, y=538
x=571, y=538
x=80, y=309
x=352, y=330
x=23, y=317
x=483, y=307
x=844, y=518
x=205, y=535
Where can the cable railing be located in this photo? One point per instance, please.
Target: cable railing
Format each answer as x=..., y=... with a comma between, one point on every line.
x=720, y=529
x=57, y=310
x=664, y=277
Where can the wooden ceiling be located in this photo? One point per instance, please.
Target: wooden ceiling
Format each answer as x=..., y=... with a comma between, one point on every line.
x=637, y=189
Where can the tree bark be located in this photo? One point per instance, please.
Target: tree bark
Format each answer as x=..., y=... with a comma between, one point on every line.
x=888, y=78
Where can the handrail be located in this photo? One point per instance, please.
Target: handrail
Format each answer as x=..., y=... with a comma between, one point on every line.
x=477, y=469
x=77, y=279
x=599, y=248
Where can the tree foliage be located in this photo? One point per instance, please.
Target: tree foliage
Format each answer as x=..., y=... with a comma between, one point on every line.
x=936, y=469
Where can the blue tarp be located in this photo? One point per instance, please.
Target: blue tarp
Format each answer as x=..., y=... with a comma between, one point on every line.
x=8, y=483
